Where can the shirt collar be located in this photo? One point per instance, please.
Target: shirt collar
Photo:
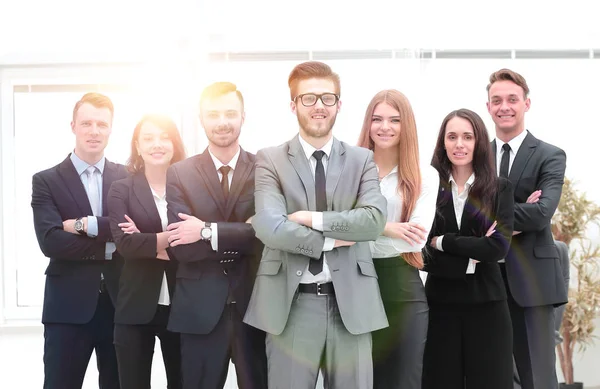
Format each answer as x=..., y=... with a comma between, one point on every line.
x=515, y=143
x=231, y=164
x=309, y=149
x=81, y=165
x=156, y=196
x=469, y=182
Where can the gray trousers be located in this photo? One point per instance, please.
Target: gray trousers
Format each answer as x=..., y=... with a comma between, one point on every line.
x=315, y=339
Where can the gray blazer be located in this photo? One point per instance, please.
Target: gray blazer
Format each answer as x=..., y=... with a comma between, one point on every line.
x=356, y=212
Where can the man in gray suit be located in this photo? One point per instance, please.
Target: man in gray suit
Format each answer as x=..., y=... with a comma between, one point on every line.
x=532, y=272
x=317, y=205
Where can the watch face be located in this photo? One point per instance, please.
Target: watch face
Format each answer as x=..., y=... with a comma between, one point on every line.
x=206, y=233
x=78, y=225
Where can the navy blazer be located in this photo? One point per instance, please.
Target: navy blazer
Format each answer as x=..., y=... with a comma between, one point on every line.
x=76, y=261
x=205, y=277
x=142, y=275
x=447, y=281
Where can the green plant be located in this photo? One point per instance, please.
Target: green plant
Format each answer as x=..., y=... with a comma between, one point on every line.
x=574, y=215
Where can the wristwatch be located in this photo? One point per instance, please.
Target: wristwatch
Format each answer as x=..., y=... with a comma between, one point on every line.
x=79, y=226
x=206, y=232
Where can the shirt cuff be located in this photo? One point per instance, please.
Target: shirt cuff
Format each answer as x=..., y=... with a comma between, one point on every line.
x=214, y=239
x=317, y=221
x=471, y=266
x=328, y=244
x=92, y=226
x=438, y=243
x=110, y=249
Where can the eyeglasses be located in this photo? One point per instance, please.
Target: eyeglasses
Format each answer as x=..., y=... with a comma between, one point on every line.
x=310, y=99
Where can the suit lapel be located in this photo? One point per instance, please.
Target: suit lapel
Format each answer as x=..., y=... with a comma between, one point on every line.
x=142, y=191
x=73, y=182
x=300, y=163
x=448, y=212
x=108, y=177
x=494, y=151
x=242, y=170
x=335, y=166
x=525, y=152
x=208, y=172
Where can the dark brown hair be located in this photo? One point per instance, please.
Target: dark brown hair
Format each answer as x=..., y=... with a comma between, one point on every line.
x=135, y=163
x=485, y=186
x=509, y=75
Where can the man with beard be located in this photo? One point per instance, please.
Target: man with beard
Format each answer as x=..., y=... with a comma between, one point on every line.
x=210, y=202
x=317, y=205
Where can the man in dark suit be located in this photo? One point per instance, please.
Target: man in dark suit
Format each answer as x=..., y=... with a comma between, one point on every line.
x=72, y=228
x=210, y=202
x=532, y=270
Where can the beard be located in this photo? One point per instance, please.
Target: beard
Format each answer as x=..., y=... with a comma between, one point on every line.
x=223, y=136
x=318, y=129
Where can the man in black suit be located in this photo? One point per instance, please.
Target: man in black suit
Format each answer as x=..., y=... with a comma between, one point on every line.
x=72, y=228
x=210, y=202
x=532, y=270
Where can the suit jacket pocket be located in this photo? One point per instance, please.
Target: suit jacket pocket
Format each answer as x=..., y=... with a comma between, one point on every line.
x=268, y=268
x=546, y=251
x=367, y=268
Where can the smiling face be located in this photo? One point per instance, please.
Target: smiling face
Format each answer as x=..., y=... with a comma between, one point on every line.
x=222, y=118
x=92, y=128
x=459, y=142
x=507, y=105
x=385, y=127
x=154, y=145
x=317, y=120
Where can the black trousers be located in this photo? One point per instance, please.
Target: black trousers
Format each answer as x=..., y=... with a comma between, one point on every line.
x=134, y=345
x=205, y=358
x=469, y=346
x=534, y=342
x=68, y=348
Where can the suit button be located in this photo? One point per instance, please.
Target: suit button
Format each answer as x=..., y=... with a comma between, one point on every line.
x=298, y=249
x=310, y=252
x=224, y=271
x=299, y=273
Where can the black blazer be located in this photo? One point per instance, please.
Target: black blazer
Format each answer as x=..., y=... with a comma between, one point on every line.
x=76, y=261
x=447, y=281
x=532, y=265
x=204, y=276
x=142, y=274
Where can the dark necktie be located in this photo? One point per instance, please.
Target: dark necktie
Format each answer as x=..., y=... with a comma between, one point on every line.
x=505, y=160
x=225, y=180
x=316, y=265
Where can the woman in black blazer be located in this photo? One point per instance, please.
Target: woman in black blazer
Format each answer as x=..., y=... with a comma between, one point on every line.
x=469, y=340
x=138, y=220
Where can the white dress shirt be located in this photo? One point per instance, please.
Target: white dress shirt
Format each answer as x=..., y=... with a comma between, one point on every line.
x=161, y=206
x=459, y=201
x=423, y=212
x=515, y=144
x=214, y=240
x=317, y=217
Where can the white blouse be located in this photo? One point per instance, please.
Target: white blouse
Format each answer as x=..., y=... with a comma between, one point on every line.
x=423, y=212
x=161, y=206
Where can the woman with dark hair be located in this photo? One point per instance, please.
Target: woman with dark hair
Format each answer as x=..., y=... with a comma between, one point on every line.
x=138, y=220
x=389, y=130
x=469, y=340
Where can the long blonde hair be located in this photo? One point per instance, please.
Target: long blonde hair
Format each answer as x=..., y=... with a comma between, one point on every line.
x=409, y=172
